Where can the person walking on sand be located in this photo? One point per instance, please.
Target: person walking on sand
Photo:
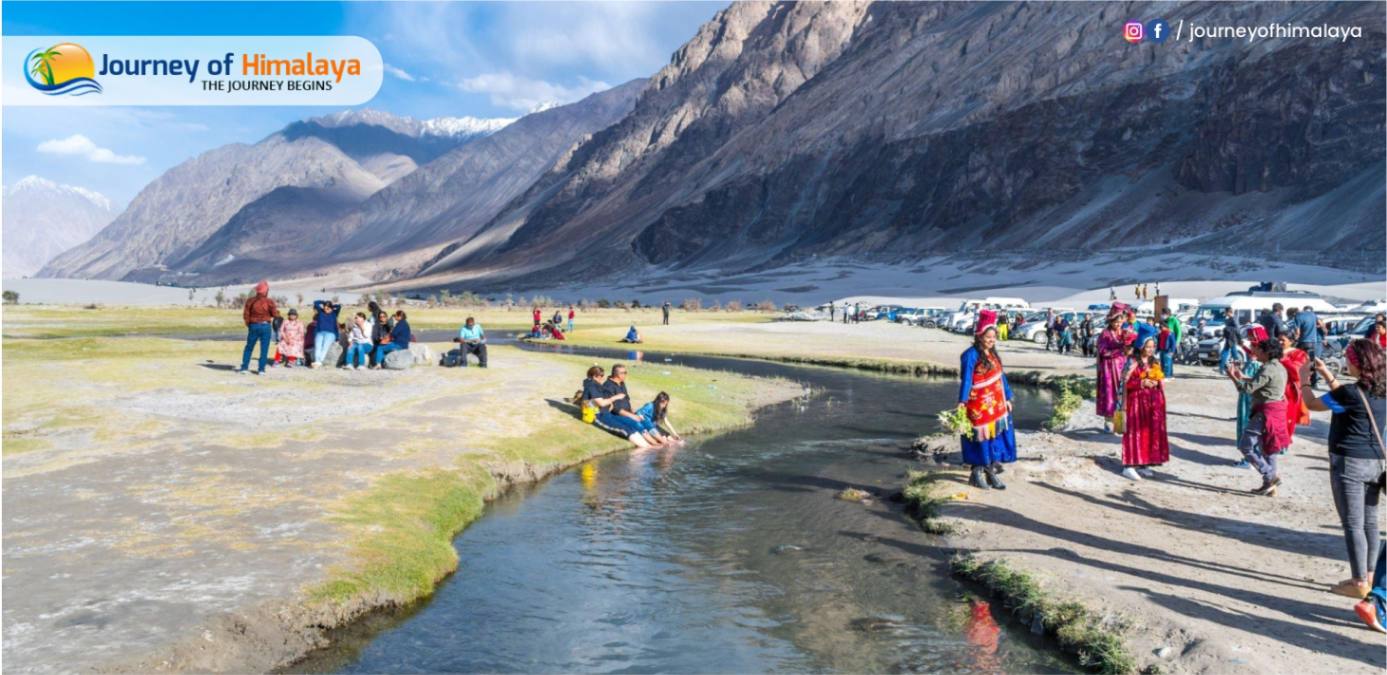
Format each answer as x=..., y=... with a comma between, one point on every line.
x=1356, y=453
x=985, y=396
x=571, y=315
x=1265, y=435
x=830, y=311
x=664, y=312
x=1112, y=354
x=1231, y=335
x=257, y=314
x=1175, y=332
x=1144, y=442
x=1249, y=368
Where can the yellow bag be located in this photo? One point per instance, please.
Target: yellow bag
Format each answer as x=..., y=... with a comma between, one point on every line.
x=589, y=414
x=1119, y=422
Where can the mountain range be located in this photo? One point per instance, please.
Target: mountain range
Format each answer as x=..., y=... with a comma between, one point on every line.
x=783, y=132
x=44, y=218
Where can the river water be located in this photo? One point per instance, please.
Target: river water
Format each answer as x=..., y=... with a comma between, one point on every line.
x=730, y=554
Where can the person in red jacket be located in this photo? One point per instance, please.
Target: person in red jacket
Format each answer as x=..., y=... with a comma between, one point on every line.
x=257, y=314
x=570, y=318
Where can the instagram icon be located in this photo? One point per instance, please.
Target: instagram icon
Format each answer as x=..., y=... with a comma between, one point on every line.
x=1133, y=31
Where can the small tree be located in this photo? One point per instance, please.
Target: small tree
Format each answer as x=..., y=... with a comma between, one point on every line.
x=766, y=305
x=733, y=306
x=691, y=305
x=11, y=297
x=603, y=303
x=221, y=297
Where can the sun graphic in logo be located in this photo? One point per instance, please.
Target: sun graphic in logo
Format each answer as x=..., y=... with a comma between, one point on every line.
x=64, y=68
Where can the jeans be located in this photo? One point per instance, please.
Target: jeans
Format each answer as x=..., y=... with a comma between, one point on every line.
x=570, y=325
x=1168, y=363
x=356, y=353
x=1229, y=353
x=1251, y=446
x=257, y=332
x=1311, y=349
x=321, y=342
x=618, y=424
x=1354, y=484
x=382, y=350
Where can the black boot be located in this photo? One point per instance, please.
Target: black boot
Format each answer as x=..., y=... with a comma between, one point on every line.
x=975, y=479
x=998, y=468
x=993, y=480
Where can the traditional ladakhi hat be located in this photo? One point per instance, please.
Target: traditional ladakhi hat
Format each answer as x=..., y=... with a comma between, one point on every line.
x=1117, y=309
x=1257, y=333
x=987, y=318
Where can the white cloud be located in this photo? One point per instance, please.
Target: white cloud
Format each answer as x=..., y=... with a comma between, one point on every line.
x=81, y=146
x=399, y=73
x=526, y=94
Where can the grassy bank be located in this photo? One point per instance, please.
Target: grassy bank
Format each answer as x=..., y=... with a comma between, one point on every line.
x=402, y=528
x=1096, y=641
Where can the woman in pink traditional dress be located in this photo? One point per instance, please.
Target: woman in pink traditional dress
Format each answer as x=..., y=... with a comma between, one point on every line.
x=1144, y=443
x=1112, y=354
x=291, y=339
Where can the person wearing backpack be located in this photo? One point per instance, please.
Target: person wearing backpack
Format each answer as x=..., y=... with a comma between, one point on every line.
x=1356, y=454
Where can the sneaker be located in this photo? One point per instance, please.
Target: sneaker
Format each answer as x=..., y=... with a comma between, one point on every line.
x=1367, y=612
x=1146, y=473
x=242, y=371
x=1107, y=427
x=1351, y=588
x=1131, y=474
x=1242, y=464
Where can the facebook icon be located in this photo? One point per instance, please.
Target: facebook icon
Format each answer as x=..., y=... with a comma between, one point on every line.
x=1156, y=30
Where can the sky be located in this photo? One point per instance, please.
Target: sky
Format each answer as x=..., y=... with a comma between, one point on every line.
x=483, y=59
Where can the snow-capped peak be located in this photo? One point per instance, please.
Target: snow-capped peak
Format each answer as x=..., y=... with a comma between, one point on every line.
x=438, y=126
x=35, y=183
x=546, y=105
x=465, y=126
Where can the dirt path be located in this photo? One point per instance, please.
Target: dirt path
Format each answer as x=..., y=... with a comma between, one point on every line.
x=162, y=512
x=1228, y=581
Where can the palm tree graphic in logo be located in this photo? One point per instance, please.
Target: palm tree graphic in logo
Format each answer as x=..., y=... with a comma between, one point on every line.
x=64, y=68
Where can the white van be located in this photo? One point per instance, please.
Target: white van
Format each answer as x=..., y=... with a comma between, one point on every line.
x=1247, y=306
x=962, y=320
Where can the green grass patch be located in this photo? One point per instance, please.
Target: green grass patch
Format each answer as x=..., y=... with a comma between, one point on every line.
x=404, y=527
x=923, y=498
x=1070, y=393
x=1097, y=643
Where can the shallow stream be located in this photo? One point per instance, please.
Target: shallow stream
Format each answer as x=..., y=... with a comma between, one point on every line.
x=730, y=554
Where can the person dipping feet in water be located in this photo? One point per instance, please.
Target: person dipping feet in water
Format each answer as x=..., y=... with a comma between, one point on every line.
x=656, y=415
x=986, y=397
x=597, y=396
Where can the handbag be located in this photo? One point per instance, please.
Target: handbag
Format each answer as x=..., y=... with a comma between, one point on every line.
x=1377, y=435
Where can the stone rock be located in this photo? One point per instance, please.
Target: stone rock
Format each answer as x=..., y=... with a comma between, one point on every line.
x=333, y=356
x=399, y=360
x=1164, y=652
x=423, y=356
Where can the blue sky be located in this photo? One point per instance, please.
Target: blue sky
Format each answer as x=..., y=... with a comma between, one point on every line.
x=485, y=59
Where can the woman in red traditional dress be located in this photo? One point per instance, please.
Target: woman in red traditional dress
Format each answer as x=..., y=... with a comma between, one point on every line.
x=1144, y=443
x=985, y=395
x=1294, y=360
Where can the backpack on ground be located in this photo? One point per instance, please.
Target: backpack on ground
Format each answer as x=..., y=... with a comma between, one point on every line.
x=453, y=358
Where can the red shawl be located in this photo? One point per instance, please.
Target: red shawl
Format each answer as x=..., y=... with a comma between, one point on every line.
x=1296, y=410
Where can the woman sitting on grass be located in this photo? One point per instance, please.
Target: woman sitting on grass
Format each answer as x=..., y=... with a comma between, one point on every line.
x=291, y=339
x=633, y=336
x=656, y=415
x=595, y=396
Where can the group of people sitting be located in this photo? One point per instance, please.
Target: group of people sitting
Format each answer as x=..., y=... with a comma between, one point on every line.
x=365, y=340
x=606, y=404
x=551, y=329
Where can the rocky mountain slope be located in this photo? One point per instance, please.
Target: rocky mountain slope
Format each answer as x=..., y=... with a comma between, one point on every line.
x=43, y=218
x=351, y=154
x=891, y=131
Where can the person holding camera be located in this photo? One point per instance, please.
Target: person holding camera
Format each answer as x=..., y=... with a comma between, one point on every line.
x=472, y=340
x=1355, y=454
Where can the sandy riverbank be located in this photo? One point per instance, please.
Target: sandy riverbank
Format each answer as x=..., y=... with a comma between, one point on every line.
x=164, y=513
x=1227, y=581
